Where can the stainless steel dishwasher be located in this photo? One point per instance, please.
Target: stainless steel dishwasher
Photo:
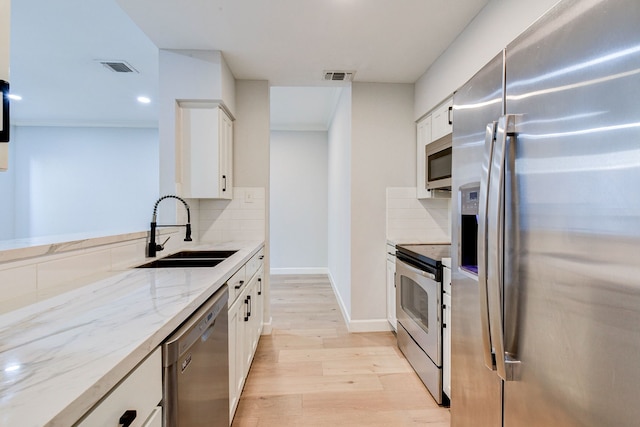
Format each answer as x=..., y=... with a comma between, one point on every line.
x=196, y=368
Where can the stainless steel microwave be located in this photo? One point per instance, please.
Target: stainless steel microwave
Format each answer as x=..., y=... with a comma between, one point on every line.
x=438, y=163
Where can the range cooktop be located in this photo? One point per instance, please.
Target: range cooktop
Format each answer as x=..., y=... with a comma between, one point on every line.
x=430, y=254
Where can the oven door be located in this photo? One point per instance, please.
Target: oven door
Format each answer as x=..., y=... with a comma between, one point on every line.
x=419, y=308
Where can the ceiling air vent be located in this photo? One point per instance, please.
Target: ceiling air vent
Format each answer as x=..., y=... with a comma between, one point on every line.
x=119, y=66
x=339, y=76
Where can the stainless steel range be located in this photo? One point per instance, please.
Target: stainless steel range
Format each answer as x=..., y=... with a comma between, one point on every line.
x=419, y=311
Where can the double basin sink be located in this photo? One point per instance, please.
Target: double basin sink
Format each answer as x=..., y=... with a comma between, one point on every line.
x=186, y=259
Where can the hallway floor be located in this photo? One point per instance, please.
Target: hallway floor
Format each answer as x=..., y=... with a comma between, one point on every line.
x=312, y=372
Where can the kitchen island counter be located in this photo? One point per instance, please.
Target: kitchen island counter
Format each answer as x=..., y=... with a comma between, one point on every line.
x=60, y=356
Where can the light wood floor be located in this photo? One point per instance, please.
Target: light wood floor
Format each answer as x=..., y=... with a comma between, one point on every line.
x=312, y=372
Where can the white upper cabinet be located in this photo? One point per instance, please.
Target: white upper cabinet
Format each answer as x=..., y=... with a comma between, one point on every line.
x=428, y=130
x=204, y=151
x=441, y=120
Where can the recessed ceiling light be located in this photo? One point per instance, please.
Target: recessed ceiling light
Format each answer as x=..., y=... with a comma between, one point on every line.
x=15, y=97
x=144, y=100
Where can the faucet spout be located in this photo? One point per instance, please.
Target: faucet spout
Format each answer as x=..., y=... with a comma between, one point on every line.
x=153, y=247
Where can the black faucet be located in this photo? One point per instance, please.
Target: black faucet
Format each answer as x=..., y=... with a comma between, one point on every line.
x=153, y=246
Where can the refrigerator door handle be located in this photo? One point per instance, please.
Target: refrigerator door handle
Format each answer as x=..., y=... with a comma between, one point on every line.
x=507, y=368
x=489, y=142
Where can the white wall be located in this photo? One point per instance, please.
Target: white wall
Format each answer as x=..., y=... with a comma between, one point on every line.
x=73, y=180
x=298, y=187
x=251, y=134
x=244, y=217
x=491, y=30
x=382, y=155
x=339, y=202
x=7, y=191
x=5, y=26
x=187, y=75
x=5, y=32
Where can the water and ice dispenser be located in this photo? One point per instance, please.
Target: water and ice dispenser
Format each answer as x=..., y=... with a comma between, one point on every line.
x=469, y=196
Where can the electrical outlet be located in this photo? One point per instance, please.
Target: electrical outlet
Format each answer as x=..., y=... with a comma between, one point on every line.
x=248, y=196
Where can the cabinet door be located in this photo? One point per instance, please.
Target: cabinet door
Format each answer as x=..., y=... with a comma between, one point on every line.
x=204, y=151
x=441, y=120
x=236, y=354
x=423, y=137
x=446, y=345
x=259, y=304
x=253, y=301
x=391, y=292
x=226, y=156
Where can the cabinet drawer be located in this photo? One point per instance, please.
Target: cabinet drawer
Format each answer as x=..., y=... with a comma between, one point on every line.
x=254, y=264
x=237, y=283
x=140, y=391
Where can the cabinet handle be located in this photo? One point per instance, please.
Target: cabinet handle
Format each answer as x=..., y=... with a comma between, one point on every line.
x=224, y=186
x=127, y=418
x=449, y=115
x=247, y=301
x=260, y=283
x=239, y=285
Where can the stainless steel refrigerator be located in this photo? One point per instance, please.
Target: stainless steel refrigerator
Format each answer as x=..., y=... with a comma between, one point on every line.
x=546, y=226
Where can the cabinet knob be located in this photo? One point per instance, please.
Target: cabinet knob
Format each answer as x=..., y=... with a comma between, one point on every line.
x=127, y=418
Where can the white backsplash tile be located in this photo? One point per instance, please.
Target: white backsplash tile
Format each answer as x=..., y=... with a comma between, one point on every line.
x=419, y=221
x=243, y=218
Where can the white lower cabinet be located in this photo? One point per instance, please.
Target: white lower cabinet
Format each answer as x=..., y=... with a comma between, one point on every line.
x=245, y=327
x=236, y=353
x=140, y=391
x=391, y=286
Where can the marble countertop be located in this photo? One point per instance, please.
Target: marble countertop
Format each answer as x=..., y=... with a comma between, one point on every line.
x=11, y=250
x=60, y=356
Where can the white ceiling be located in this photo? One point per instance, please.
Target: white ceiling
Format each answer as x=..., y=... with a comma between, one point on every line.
x=303, y=108
x=54, y=46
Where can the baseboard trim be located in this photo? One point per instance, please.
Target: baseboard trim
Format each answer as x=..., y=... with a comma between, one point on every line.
x=343, y=308
x=299, y=270
x=375, y=325
x=355, y=326
x=267, y=327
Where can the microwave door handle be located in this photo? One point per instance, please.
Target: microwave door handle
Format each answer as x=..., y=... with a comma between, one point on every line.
x=506, y=369
x=489, y=143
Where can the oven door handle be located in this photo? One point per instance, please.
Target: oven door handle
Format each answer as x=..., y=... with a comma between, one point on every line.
x=417, y=271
